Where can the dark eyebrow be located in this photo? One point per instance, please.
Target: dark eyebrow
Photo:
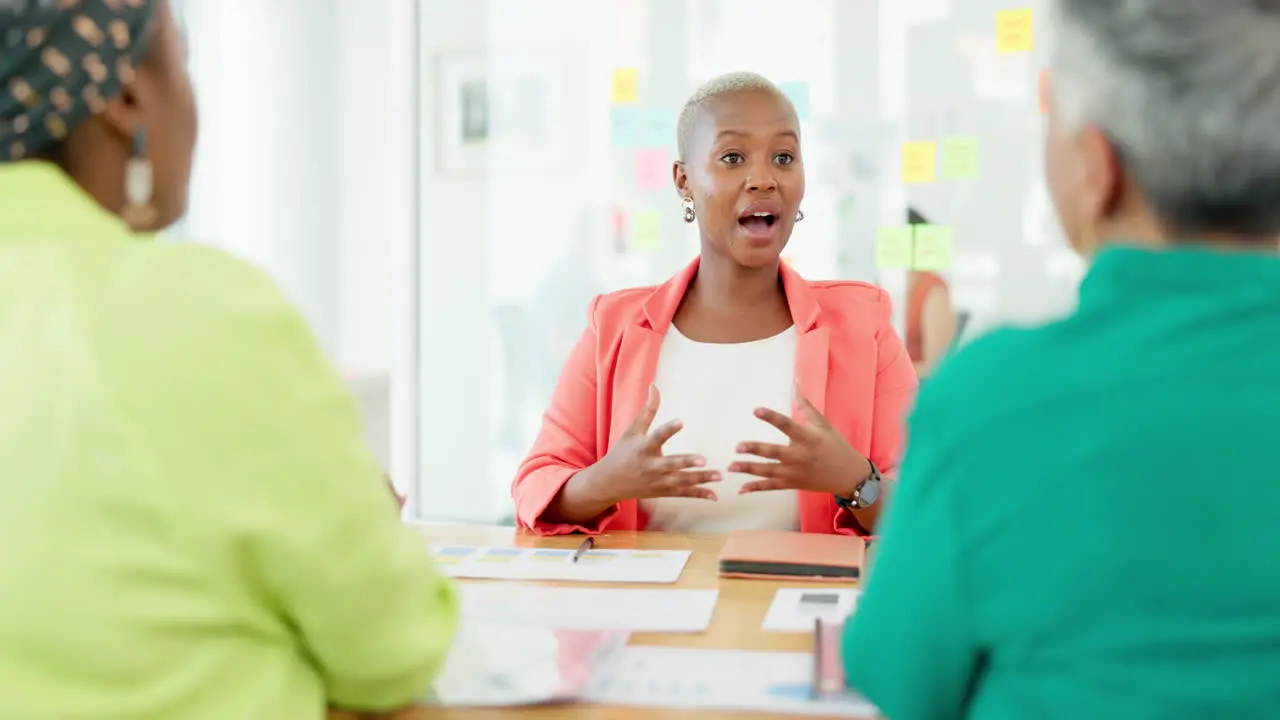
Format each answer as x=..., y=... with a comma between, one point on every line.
x=791, y=134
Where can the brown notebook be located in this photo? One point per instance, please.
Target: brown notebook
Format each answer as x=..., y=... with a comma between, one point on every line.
x=786, y=555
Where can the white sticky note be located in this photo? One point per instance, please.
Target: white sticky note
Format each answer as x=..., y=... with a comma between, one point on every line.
x=796, y=609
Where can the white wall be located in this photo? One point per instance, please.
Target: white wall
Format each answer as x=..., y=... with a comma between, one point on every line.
x=305, y=167
x=453, y=293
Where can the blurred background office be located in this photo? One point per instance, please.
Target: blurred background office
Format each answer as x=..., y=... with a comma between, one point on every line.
x=471, y=173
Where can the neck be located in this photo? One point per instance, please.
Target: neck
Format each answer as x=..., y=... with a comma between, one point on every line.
x=1150, y=235
x=722, y=282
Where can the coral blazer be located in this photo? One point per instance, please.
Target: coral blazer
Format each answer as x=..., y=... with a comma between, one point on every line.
x=850, y=363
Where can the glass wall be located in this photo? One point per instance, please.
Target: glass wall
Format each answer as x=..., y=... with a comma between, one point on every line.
x=547, y=134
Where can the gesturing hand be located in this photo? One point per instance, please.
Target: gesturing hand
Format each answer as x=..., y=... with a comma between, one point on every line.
x=635, y=468
x=817, y=458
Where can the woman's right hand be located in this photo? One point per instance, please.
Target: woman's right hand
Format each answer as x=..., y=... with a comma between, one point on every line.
x=635, y=467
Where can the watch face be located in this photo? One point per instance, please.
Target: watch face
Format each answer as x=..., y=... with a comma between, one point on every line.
x=870, y=492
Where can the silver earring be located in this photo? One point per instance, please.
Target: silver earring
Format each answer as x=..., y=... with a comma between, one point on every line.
x=139, y=185
x=799, y=215
x=689, y=214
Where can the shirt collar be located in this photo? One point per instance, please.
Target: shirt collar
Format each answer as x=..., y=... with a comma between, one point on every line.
x=39, y=197
x=1124, y=270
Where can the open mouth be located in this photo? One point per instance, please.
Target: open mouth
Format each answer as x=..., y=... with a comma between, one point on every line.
x=758, y=222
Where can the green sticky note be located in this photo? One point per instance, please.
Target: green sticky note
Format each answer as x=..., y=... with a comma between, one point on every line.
x=960, y=158
x=646, y=230
x=932, y=247
x=893, y=248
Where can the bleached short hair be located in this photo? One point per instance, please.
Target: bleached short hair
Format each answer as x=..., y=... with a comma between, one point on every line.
x=716, y=87
x=1189, y=92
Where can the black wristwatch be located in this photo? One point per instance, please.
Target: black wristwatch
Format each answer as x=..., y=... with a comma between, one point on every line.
x=867, y=492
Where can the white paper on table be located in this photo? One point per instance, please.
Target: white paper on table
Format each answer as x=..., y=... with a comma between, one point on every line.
x=671, y=677
x=601, y=565
x=579, y=608
x=796, y=609
x=503, y=665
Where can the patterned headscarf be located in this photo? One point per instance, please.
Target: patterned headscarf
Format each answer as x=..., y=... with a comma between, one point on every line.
x=60, y=62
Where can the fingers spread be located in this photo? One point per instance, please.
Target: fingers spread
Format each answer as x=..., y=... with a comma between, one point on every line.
x=808, y=411
x=659, y=437
x=647, y=413
x=789, y=427
x=691, y=478
x=673, y=463
x=760, y=469
x=694, y=492
x=763, y=486
x=765, y=450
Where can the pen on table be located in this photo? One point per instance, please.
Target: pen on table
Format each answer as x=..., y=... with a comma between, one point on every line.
x=585, y=546
x=817, y=659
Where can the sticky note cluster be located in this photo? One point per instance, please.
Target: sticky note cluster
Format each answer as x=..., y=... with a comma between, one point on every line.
x=633, y=127
x=914, y=247
x=959, y=159
x=648, y=131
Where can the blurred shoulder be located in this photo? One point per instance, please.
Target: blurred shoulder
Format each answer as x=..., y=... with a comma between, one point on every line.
x=990, y=376
x=177, y=300
x=204, y=276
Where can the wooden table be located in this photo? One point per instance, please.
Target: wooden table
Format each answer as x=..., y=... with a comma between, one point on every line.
x=734, y=626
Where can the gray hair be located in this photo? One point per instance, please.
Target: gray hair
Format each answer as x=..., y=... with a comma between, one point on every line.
x=1189, y=93
x=718, y=86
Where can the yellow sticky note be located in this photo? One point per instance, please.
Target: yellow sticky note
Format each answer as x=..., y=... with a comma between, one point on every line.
x=932, y=247
x=646, y=230
x=893, y=248
x=626, y=86
x=1015, y=31
x=919, y=162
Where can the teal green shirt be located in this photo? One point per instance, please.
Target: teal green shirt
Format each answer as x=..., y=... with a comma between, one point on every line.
x=192, y=526
x=1088, y=519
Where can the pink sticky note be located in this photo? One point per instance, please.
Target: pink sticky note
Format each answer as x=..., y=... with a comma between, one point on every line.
x=653, y=169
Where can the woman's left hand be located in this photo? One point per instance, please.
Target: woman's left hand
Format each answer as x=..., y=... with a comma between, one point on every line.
x=818, y=458
x=394, y=493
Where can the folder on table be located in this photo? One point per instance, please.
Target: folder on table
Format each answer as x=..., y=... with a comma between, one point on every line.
x=786, y=555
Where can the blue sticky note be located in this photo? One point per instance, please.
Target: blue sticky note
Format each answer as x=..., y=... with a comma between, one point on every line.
x=660, y=128
x=798, y=94
x=626, y=126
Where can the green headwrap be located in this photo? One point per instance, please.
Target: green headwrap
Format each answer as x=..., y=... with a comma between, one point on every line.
x=60, y=62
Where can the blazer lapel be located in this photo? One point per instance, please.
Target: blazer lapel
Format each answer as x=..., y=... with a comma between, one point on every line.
x=641, y=346
x=812, y=340
x=812, y=361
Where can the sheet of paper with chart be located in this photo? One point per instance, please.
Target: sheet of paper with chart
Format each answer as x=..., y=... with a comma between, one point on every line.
x=671, y=677
x=579, y=608
x=507, y=563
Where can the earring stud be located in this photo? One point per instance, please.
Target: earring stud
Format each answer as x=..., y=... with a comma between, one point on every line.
x=689, y=214
x=799, y=215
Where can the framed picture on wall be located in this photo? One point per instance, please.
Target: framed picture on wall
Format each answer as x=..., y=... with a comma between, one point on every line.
x=499, y=110
x=462, y=112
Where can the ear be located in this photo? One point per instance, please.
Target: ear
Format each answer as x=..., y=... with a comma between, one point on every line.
x=681, y=179
x=123, y=114
x=1103, y=172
